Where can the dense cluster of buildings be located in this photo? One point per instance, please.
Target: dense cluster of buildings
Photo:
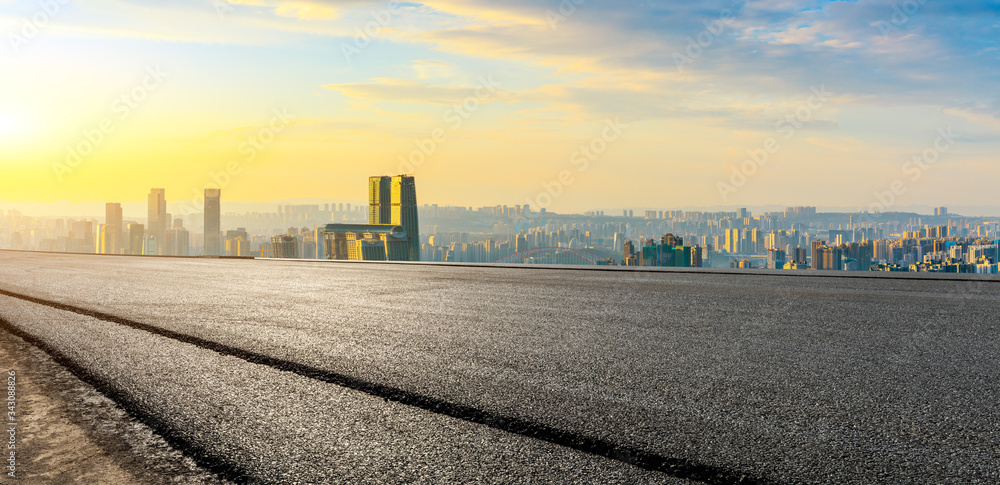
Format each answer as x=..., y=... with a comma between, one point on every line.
x=393, y=227
x=669, y=251
x=392, y=232
x=801, y=238
x=498, y=232
x=161, y=235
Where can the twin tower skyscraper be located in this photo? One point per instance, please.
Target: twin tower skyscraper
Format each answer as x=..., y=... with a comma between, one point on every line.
x=392, y=232
x=393, y=200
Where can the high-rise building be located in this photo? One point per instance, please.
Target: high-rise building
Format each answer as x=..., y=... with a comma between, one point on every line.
x=379, y=200
x=323, y=244
x=392, y=232
x=861, y=252
x=213, y=231
x=619, y=241
x=817, y=254
x=237, y=246
x=937, y=232
x=112, y=233
x=150, y=246
x=719, y=242
x=521, y=243
x=285, y=246
x=832, y=258
x=366, y=242
x=733, y=243
x=755, y=243
x=105, y=239
x=629, y=253
x=83, y=238
x=168, y=245
x=801, y=255
x=183, y=242
x=156, y=222
x=671, y=240
x=775, y=258
x=237, y=242
x=136, y=238
x=404, y=212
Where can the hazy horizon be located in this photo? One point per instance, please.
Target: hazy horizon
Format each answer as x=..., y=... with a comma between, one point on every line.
x=137, y=209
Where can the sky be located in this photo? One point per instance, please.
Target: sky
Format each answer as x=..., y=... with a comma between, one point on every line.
x=571, y=105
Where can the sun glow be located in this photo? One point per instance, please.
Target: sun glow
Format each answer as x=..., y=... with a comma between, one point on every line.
x=14, y=127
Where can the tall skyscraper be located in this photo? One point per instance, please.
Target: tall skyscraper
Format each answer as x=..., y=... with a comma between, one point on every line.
x=817, y=255
x=84, y=240
x=322, y=243
x=136, y=238
x=156, y=222
x=379, y=200
x=733, y=242
x=105, y=239
x=392, y=232
x=213, y=231
x=113, y=229
x=404, y=211
x=168, y=245
x=182, y=241
x=285, y=246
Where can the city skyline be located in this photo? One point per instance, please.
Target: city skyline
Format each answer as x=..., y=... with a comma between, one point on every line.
x=136, y=208
x=794, y=238
x=665, y=241
x=724, y=103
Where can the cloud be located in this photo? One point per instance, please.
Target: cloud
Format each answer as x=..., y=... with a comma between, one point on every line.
x=303, y=10
x=424, y=70
x=601, y=59
x=763, y=48
x=844, y=144
x=980, y=115
x=407, y=91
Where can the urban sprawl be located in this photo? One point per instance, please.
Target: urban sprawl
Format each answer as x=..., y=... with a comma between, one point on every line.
x=797, y=238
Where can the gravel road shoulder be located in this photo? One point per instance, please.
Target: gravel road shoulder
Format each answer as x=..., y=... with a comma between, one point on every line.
x=67, y=432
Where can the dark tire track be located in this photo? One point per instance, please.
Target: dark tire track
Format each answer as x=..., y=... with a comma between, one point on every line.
x=675, y=467
x=133, y=407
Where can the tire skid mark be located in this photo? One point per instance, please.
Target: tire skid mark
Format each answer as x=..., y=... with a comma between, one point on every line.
x=631, y=455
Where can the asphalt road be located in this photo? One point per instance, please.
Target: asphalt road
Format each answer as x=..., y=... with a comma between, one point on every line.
x=272, y=370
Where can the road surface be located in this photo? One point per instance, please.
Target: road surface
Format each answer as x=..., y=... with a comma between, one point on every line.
x=276, y=371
